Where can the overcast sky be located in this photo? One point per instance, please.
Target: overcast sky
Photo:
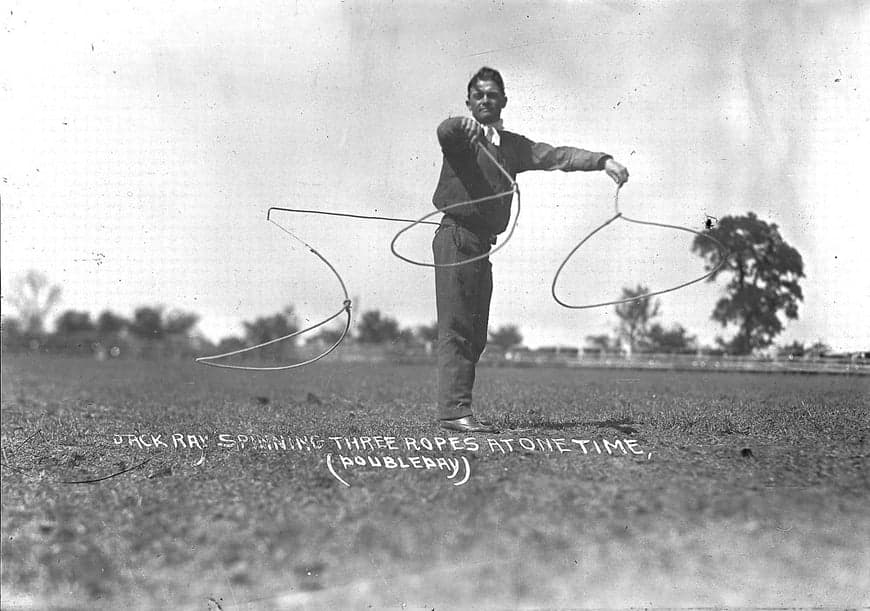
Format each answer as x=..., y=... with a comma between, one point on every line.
x=143, y=143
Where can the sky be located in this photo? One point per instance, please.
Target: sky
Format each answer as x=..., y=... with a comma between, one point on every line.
x=144, y=142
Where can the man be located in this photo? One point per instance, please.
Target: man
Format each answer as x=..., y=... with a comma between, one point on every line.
x=463, y=292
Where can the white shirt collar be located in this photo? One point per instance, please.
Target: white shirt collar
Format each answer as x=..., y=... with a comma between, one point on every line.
x=490, y=131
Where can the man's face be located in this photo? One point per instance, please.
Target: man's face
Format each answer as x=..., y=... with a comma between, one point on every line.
x=486, y=101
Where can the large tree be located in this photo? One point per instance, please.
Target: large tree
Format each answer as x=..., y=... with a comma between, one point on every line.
x=635, y=316
x=765, y=273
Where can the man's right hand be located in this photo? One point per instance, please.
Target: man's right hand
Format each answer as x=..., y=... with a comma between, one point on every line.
x=457, y=134
x=470, y=129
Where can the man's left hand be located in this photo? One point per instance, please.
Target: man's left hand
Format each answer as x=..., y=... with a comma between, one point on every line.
x=617, y=171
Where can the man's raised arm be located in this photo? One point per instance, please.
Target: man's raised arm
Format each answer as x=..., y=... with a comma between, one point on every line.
x=542, y=156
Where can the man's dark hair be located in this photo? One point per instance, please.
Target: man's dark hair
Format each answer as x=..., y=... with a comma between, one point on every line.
x=486, y=74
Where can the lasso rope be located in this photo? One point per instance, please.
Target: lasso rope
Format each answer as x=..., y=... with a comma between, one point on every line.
x=208, y=360
x=514, y=189
x=619, y=215
x=346, y=307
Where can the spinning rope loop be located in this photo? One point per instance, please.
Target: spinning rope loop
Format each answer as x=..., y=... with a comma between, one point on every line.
x=208, y=360
x=619, y=215
x=515, y=189
x=346, y=306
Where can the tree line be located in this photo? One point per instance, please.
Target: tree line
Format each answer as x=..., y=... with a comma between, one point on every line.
x=761, y=277
x=154, y=330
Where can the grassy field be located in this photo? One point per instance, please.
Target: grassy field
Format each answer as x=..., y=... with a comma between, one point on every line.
x=747, y=490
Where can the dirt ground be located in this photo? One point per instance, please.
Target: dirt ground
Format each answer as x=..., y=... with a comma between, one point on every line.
x=676, y=489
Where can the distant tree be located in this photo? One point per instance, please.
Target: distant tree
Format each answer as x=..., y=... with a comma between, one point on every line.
x=11, y=332
x=711, y=351
x=180, y=323
x=603, y=342
x=765, y=272
x=73, y=321
x=795, y=348
x=229, y=344
x=147, y=323
x=374, y=328
x=428, y=333
x=33, y=297
x=635, y=316
x=506, y=337
x=328, y=335
x=266, y=328
x=819, y=348
x=109, y=323
x=407, y=338
x=675, y=340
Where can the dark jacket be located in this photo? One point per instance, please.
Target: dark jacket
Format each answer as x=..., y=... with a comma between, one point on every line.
x=467, y=173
